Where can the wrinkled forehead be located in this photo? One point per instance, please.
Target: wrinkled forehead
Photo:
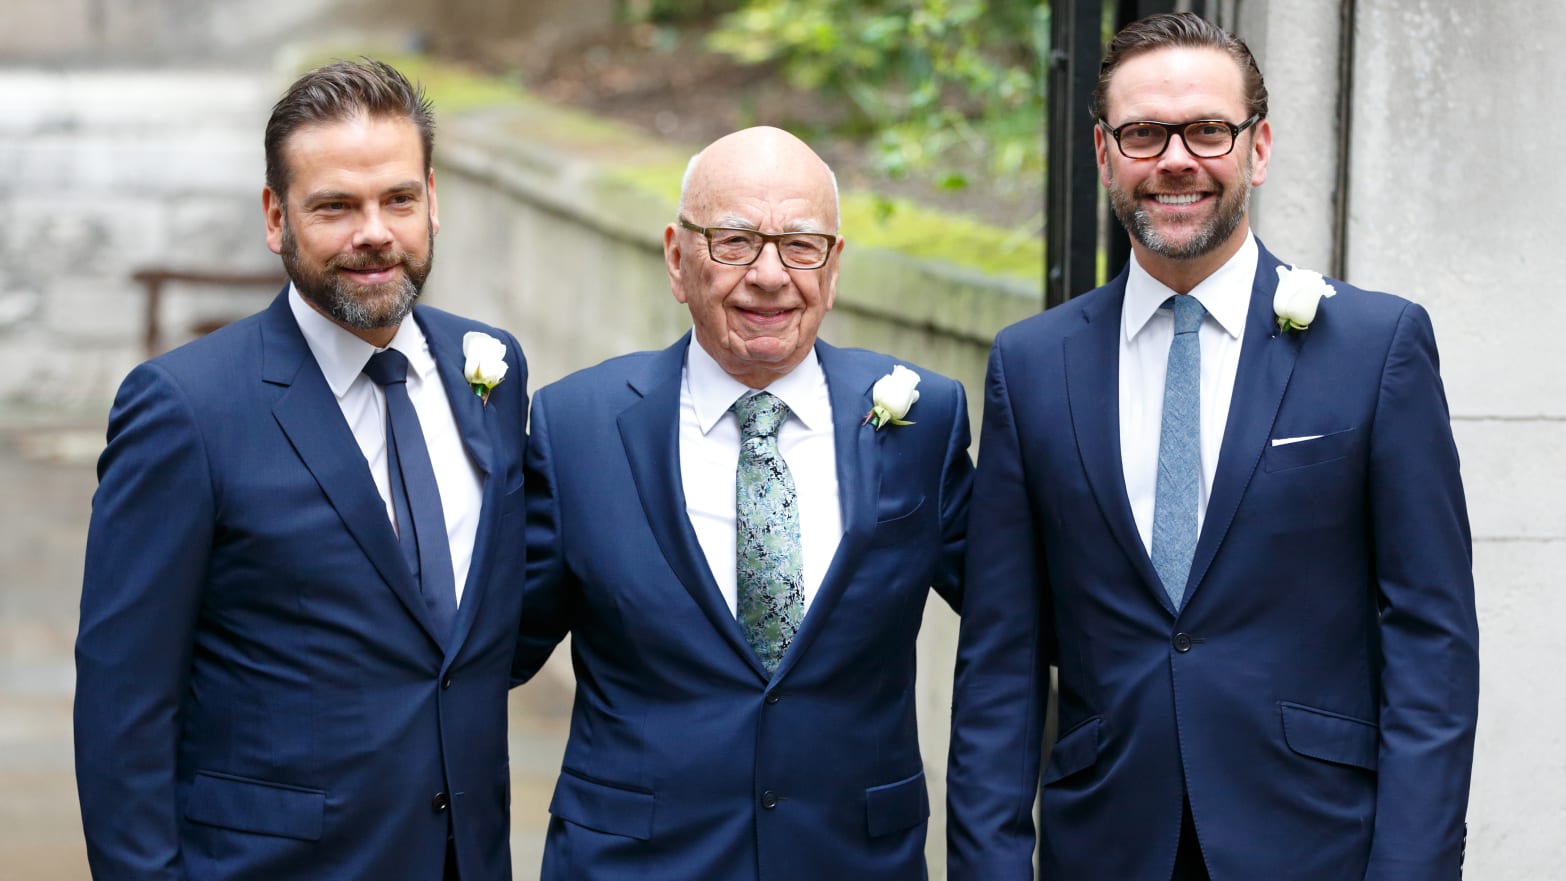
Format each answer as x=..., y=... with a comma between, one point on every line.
x=764, y=188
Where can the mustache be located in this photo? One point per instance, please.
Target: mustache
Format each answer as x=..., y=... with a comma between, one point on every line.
x=370, y=260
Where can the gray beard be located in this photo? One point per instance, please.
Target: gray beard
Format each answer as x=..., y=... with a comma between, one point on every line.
x=328, y=291
x=1213, y=232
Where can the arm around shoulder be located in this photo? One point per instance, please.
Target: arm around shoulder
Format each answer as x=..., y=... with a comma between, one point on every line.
x=545, y=607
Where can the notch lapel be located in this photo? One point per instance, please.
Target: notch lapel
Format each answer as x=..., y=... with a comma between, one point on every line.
x=1092, y=366
x=475, y=423
x=850, y=377
x=650, y=434
x=310, y=417
x=1266, y=363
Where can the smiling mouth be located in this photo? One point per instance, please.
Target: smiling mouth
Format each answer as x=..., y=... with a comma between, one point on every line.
x=1177, y=198
x=371, y=274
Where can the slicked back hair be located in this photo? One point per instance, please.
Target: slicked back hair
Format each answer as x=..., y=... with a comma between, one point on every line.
x=338, y=92
x=1182, y=30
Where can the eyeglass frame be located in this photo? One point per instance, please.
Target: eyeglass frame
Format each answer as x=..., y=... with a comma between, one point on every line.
x=1177, y=129
x=766, y=238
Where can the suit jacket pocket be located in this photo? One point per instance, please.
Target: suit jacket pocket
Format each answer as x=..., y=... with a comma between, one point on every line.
x=1076, y=750
x=1327, y=448
x=603, y=807
x=247, y=805
x=1330, y=737
x=899, y=526
x=893, y=807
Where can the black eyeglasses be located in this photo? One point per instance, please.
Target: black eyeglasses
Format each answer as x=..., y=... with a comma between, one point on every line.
x=742, y=247
x=1203, y=138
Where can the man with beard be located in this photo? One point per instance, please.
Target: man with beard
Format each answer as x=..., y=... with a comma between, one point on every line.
x=1228, y=511
x=300, y=598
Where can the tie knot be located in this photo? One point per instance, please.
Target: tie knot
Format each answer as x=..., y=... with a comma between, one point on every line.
x=760, y=415
x=1188, y=313
x=387, y=367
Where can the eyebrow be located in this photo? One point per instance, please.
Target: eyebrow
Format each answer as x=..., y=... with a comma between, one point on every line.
x=802, y=224
x=315, y=198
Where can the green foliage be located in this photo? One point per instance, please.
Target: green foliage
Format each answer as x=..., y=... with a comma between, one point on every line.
x=941, y=86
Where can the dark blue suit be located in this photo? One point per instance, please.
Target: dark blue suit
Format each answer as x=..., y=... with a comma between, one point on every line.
x=1315, y=697
x=685, y=761
x=260, y=694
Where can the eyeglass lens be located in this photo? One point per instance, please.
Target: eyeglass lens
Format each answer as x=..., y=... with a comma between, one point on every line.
x=1204, y=139
x=742, y=246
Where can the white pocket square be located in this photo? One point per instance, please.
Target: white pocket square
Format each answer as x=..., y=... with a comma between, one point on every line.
x=1285, y=441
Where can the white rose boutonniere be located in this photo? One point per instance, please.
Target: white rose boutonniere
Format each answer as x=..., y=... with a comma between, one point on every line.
x=893, y=395
x=1299, y=295
x=486, y=363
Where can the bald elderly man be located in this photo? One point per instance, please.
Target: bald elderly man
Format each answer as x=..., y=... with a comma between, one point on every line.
x=742, y=558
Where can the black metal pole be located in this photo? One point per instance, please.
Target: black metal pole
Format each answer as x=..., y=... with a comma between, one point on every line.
x=1071, y=192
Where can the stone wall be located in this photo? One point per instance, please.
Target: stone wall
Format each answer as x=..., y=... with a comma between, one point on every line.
x=1452, y=200
x=103, y=173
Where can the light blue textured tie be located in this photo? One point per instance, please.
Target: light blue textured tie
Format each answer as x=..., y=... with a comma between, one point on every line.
x=1179, y=452
x=771, y=579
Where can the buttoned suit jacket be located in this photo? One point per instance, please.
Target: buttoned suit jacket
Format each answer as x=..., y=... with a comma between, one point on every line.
x=685, y=759
x=260, y=692
x=1315, y=696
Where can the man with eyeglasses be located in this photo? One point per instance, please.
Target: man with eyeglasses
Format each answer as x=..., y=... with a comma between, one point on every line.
x=740, y=533
x=1227, y=510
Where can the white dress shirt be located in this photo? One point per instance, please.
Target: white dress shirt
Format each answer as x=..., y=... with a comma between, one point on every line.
x=1147, y=332
x=342, y=357
x=709, y=459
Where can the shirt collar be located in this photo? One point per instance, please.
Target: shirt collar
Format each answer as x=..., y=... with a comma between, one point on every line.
x=342, y=355
x=1226, y=294
x=714, y=391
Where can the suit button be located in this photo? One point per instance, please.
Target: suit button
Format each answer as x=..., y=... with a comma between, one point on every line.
x=446, y=683
x=773, y=698
x=769, y=799
x=1182, y=643
x=440, y=802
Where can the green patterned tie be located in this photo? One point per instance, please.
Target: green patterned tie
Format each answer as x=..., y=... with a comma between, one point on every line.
x=771, y=583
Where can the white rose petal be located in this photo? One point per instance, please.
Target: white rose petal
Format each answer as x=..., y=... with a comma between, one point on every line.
x=485, y=359
x=1299, y=295
x=896, y=392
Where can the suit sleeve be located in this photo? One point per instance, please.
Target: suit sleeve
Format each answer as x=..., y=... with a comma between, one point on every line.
x=1002, y=662
x=545, y=600
x=147, y=549
x=956, y=491
x=1429, y=629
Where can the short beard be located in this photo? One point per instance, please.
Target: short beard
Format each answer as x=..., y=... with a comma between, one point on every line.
x=1213, y=232
x=358, y=306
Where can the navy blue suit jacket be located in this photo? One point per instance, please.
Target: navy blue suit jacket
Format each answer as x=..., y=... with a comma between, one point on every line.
x=685, y=760
x=1315, y=696
x=259, y=691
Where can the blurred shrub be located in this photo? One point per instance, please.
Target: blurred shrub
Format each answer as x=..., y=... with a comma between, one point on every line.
x=941, y=87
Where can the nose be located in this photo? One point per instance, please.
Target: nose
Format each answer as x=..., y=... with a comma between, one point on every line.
x=1177, y=156
x=768, y=272
x=373, y=233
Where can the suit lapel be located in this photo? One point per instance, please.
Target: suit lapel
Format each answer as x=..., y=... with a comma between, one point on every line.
x=475, y=424
x=650, y=434
x=857, y=446
x=309, y=415
x=1092, y=357
x=1266, y=363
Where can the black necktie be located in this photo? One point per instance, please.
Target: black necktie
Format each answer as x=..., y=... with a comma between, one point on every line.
x=415, y=495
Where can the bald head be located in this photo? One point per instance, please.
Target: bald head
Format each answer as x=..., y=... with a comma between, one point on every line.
x=757, y=319
x=762, y=155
